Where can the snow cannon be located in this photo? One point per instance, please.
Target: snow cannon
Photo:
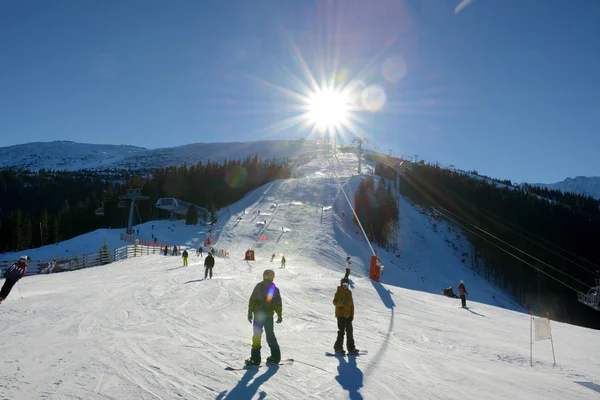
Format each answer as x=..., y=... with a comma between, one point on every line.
x=376, y=269
x=249, y=255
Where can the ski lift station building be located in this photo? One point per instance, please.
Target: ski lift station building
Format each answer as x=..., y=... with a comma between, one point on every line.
x=180, y=207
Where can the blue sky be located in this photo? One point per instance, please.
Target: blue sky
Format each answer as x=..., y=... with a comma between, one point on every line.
x=509, y=88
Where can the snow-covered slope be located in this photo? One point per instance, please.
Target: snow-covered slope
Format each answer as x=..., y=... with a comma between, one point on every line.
x=586, y=185
x=71, y=156
x=147, y=328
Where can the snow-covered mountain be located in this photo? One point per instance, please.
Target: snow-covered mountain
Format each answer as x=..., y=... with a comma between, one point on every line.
x=71, y=156
x=580, y=184
x=149, y=328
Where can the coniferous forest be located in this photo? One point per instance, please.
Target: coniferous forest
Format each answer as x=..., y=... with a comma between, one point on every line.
x=554, y=235
x=45, y=207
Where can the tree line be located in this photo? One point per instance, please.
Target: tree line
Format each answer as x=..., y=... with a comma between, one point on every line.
x=45, y=207
x=553, y=234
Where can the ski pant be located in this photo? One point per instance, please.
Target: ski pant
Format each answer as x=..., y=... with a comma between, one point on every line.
x=6, y=288
x=463, y=300
x=185, y=261
x=344, y=326
x=207, y=271
x=347, y=273
x=263, y=321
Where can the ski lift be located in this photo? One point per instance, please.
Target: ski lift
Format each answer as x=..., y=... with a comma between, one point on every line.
x=121, y=204
x=592, y=298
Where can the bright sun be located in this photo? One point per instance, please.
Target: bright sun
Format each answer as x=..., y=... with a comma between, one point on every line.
x=328, y=109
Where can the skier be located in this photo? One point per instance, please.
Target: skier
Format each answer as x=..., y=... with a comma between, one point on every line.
x=462, y=292
x=282, y=261
x=272, y=257
x=166, y=250
x=344, y=312
x=264, y=301
x=185, y=258
x=199, y=251
x=209, y=263
x=213, y=251
x=175, y=250
x=348, y=268
x=15, y=272
x=449, y=292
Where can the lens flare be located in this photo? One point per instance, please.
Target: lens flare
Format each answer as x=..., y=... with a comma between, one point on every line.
x=270, y=293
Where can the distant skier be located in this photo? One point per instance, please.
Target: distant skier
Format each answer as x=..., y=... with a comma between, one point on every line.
x=200, y=251
x=264, y=302
x=282, y=261
x=272, y=257
x=209, y=263
x=166, y=250
x=449, y=292
x=175, y=250
x=348, y=268
x=15, y=272
x=185, y=258
x=462, y=292
x=213, y=251
x=344, y=312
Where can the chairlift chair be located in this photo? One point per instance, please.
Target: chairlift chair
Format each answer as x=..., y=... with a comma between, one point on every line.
x=592, y=297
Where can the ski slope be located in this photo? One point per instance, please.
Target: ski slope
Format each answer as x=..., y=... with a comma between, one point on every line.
x=148, y=328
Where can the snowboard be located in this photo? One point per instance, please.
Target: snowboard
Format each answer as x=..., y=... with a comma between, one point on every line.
x=360, y=353
x=286, y=361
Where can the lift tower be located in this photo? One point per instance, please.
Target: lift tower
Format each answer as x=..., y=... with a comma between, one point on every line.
x=133, y=195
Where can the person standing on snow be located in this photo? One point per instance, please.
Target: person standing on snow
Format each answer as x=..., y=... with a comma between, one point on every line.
x=282, y=261
x=264, y=302
x=15, y=272
x=175, y=250
x=185, y=258
x=166, y=250
x=462, y=292
x=199, y=252
x=344, y=312
x=348, y=268
x=209, y=263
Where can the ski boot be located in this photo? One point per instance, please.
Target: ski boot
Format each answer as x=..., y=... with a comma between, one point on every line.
x=271, y=360
x=353, y=351
x=251, y=363
x=339, y=352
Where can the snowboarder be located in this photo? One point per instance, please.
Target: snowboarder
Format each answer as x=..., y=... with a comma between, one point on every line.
x=264, y=302
x=15, y=272
x=166, y=250
x=209, y=263
x=282, y=261
x=272, y=257
x=449, y=292
x=344, y=312
x=462, y=292
x=348, y=268
x=185, y=258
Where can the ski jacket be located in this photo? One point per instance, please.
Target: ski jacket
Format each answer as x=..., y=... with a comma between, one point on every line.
x=348, y=265
x=16, y=271
x=209, y=261
x=184, y=254
x=266, y=298
x=344, y=305
x=461, y=290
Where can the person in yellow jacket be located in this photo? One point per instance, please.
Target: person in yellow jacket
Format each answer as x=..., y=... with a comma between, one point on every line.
x=344, y=312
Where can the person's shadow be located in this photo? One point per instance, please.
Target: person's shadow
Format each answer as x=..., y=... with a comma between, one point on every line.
x=246, y=390
x=350, y=377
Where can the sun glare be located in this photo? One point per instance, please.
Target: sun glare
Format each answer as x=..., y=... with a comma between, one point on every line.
x=328, y=109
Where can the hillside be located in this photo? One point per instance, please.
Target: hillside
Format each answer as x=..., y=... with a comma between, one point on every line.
x=148, y=328
x=71, y=156
x=589, y=186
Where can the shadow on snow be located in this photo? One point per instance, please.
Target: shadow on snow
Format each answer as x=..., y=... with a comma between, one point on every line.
x=246, y=390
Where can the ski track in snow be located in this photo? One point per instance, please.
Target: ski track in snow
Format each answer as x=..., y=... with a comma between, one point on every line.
x=147, y=328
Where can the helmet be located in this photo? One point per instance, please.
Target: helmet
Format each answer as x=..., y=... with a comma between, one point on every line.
x=344, y=280
x=23, y=257
x=269, y=275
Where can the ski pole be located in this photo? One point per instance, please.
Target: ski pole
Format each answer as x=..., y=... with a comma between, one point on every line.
x=19, y=287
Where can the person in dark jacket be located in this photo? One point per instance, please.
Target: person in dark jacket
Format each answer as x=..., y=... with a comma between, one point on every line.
x=462, y=292
x=166, y=250
x=264, y=302
x=185, y=258
x=209, y=263
x=15, y=272
x=344, y=312
x=449, y=292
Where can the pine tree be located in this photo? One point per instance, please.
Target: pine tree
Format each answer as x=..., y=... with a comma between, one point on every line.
x=45, y=221
x=192, y=216
x=104, y=254
x=213, y=214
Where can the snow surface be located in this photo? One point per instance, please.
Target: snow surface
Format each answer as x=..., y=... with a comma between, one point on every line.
x=71, y=156
x=148, y=328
